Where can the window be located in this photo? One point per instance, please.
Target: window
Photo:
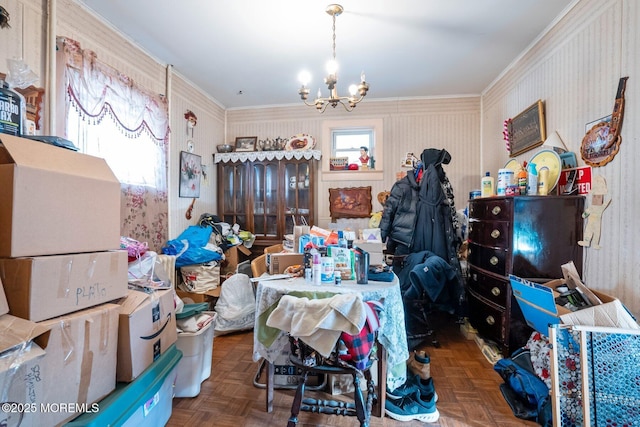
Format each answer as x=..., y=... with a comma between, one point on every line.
x=132, y=160
x=345, y=138
x=350, y=142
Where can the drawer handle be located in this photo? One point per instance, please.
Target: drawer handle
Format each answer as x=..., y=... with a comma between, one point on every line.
x=495, y=234
x=496, y=210
x=493, y=260
x=495, y=291
x=490, y=320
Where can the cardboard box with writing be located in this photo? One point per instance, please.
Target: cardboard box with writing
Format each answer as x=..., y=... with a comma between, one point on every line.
x=537, y=302
x=80, y=361
x=146, y=329
x=55, y=201
x=43, y=287
x=278, y=262
x=21, y=373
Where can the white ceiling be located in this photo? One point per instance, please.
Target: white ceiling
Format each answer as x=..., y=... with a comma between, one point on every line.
x=248, y=53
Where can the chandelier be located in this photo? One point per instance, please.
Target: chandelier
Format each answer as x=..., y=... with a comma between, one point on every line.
x=356, y=92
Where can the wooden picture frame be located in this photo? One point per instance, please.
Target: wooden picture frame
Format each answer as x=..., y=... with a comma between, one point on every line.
x=353, y=202
x=527, y=130
x=246, y=143
x=190, y=173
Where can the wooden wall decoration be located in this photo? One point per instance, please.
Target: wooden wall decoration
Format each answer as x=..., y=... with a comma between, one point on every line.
x=353, y=202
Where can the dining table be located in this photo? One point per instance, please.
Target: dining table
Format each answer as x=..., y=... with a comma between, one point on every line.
x=269, y=342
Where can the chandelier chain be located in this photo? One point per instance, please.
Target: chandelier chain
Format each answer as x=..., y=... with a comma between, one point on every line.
x=334, y=37
x=356, y=92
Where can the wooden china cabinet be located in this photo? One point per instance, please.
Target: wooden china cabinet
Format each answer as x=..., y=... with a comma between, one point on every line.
x=527, y=236
x=264, y=192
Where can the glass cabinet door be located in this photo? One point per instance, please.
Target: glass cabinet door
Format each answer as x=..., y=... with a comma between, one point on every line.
x=297, y=195
x=234, y=208
x=265, y=199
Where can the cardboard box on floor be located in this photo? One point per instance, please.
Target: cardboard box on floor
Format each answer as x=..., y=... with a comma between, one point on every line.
x=232, y=259
x=55, y=201
x=80, y=361
x=21, y=379
x=537, y=302
x=209, y=297
x=43, y=287
x=146, y=329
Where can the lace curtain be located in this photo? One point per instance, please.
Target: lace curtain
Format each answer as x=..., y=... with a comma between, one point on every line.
x=100, y=99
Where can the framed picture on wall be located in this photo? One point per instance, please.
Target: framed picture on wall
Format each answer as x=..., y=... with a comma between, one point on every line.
x=527, y=130
x=246, y=143
x=190, y=173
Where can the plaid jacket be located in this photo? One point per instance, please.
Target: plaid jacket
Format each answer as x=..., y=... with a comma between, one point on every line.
x=359, y=346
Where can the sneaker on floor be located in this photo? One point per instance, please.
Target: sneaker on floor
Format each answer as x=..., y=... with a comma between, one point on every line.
x=412, y=384
x=412, y=407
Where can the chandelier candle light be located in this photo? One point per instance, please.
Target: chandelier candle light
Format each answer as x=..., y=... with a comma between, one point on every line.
x=356, y=92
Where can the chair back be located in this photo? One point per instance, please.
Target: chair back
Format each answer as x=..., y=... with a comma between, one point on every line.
x=274, y=249
x=259, y=265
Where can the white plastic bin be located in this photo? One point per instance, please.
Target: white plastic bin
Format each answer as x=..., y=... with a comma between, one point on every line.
x=195, y=365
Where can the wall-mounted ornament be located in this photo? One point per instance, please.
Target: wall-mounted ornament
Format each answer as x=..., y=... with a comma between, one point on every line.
x=593, y=214
x=192, y=121
x=602, y=142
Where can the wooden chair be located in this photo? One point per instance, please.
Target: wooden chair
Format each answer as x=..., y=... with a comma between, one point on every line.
x=274, y=249
x=359, y=408
x=259, y=265
x=360, y=351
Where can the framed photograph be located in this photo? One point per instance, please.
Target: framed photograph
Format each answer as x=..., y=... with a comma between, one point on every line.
x=354, y=202
x=246, y=143
x=190, y=173
x=527, y=129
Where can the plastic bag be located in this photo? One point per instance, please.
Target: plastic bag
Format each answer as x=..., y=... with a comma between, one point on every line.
x=236, y=306
x=200, y=278
x=192, y=247
x=147, y=271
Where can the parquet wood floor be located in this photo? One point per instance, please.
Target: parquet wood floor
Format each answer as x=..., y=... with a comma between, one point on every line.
x=465, y=381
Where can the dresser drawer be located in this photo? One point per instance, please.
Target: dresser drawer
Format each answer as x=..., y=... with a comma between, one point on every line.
x=495, y=290
x=490, y=233
x=487, y=319
x=498, y=208
x=490, y=259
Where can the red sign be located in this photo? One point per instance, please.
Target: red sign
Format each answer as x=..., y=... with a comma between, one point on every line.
x=575, y=181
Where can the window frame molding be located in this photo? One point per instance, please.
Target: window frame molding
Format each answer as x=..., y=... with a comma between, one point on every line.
x=376, y=174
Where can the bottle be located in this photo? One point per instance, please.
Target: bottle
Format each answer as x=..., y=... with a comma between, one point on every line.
x=505, y=179
x=522, y=181
x=342, y=241
x=532, y=180
x=543, y=181
x=486, y=186
x=316, y=269
x=13, y=110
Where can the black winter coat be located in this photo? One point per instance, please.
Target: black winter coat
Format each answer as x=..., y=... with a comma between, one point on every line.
x=399, y=214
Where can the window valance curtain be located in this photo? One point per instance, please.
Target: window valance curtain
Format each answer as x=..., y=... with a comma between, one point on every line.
x=96, y=91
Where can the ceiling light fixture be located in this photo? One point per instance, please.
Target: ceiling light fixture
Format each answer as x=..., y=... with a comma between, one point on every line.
x=356, y=92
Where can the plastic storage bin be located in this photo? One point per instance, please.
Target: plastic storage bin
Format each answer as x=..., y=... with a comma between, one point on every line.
x=195, y=365
x=145, y=402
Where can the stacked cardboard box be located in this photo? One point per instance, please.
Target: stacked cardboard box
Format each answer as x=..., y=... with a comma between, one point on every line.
x=62, y=272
